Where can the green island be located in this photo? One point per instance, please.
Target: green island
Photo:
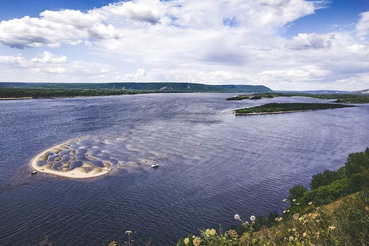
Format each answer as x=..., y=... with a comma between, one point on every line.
x=277, y=108
x=340, y=98
x=335, y=211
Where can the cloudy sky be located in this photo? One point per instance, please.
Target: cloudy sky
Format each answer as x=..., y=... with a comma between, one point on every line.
x=283, y=44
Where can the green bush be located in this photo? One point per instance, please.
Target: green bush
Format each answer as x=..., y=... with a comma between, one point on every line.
x=357, y=163
x=297, y=192
x=326, y=178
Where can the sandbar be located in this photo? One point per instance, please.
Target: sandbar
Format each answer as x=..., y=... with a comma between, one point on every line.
x=86, y=171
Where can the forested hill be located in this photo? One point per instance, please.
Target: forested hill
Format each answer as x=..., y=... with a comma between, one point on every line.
x=157, y=86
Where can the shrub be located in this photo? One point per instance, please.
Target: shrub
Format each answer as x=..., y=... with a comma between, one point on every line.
x=297, y=192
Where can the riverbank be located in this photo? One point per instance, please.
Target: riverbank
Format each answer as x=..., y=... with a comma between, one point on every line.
x=86, y=170
x=280, y=108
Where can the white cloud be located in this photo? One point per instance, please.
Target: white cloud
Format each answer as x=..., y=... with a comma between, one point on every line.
x=51, y=67
x=11, y=60
x=137, y=11
x=362, y=27
x=310, y=41
x=216, y=42
x=50, y=58
x=140, y=75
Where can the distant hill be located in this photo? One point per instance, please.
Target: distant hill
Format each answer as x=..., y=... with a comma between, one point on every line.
x=361, y=92
x=317, y=92
x=156, y=86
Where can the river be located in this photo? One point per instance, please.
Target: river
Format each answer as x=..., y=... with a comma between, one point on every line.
x=212, y=164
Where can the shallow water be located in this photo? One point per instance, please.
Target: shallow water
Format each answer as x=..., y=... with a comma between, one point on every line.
x=212, y=164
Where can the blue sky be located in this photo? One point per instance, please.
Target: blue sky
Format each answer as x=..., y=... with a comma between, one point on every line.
x=283, y=44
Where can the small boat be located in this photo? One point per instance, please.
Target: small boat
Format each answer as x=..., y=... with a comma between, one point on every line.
x=155, y=165
x=34, y=172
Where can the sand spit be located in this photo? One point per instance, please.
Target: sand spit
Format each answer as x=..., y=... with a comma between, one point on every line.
x=87, y=170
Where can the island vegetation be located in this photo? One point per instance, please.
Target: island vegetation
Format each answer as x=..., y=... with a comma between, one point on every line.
x=339, y=98
x=275, y=108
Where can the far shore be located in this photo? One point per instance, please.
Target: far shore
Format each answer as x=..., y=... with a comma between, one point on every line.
x=276, y=112
x=86, y=171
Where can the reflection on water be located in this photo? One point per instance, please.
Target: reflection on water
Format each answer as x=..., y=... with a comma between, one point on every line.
x=212, y=164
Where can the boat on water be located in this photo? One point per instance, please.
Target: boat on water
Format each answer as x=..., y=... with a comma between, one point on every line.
x=155, y=165
x=34, y=172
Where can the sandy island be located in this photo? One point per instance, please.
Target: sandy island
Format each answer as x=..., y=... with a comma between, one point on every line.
x=87, y=170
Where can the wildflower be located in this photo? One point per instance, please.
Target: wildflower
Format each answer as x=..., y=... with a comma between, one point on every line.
x=288, y=210
x=294, y=200
x=128, y=232
x=290, y=238
x=232, y=233
x=280, y=218
x=310, y=203
x=284, y=200
x=296, y=216
x=284, y=211
x=297, y=203
x=304, y=234
x=187, y=240
x=211, y=232
x=332, y=228
x=252, y=218
x=197, y=241
x=237, y=216
x=318, y=221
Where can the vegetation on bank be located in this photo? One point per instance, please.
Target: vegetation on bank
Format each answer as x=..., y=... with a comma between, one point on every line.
x=287, y=107
x=309, y=220
x=340, y=98
x=334, y=212
x=51, y=93
x=152, y=87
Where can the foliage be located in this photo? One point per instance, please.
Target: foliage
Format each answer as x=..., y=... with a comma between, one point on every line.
x=288, y=107
x=297, y=192
x=50, y=93
x=345, y=222
x=340, y=98
x=152, y=87
x=326, y=178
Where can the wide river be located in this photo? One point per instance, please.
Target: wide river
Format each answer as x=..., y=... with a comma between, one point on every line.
x=212, y=164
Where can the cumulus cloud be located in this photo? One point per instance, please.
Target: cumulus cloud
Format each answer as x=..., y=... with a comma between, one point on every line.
x=362, y=27
x=115, y=20
x=217, y=42
x=11, y=60
x=50, y=58
x=310, y=41
x=50, y=65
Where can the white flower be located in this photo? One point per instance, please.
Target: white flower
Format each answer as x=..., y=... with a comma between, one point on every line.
x=252, y=218
x=237, y=216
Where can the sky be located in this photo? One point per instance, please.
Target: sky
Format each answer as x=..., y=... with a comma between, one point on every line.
x=282, y=44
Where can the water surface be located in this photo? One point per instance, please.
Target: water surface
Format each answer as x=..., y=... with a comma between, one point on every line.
x=212, y=164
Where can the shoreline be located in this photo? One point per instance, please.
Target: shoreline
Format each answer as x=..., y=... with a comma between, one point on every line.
x=277, y=112
x=76, y=173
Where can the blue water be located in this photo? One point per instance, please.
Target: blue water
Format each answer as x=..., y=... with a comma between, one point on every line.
x=212, y=164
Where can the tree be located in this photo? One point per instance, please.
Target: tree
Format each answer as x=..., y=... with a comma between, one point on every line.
x=297, y=192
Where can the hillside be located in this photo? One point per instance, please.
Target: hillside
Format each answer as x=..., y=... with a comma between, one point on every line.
x=362, y=92
x=152, y=87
